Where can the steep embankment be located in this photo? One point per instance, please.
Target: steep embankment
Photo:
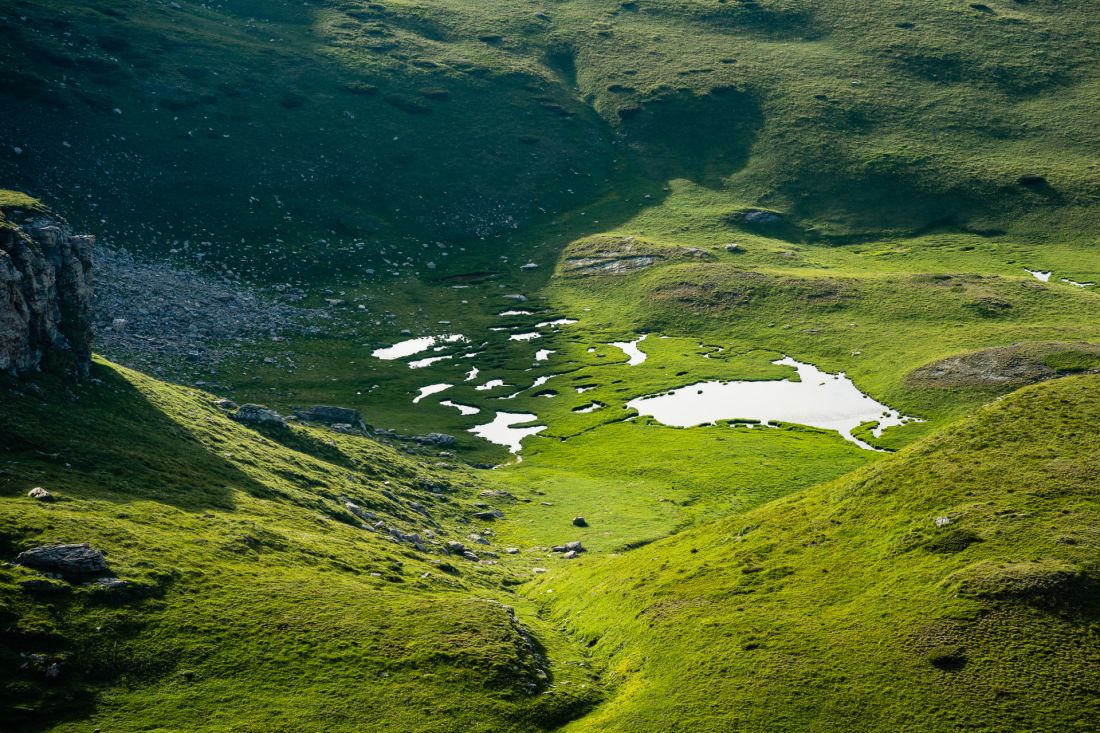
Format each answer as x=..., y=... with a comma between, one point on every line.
x=251, y=578
x=45, y=289
x=952, y=586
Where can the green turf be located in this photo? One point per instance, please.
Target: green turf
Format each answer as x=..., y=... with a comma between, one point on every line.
x=409, y=158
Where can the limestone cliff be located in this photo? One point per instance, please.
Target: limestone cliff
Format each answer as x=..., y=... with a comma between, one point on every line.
x=45, y=290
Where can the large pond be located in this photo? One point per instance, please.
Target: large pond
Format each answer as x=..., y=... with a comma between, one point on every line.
x=818, y=399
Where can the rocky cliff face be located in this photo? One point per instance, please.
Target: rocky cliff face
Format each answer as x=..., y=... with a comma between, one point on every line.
x=45, y=294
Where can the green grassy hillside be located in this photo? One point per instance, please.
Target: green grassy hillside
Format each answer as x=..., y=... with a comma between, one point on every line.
x=273, y=131
x=902, y=192
x=254, y=600
x=951, y=586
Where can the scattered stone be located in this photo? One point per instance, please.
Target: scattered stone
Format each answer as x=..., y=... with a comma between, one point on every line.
x=40, y=494
x=580, y=522
x=496, y=494
x=941, y=521
x=332, y=416
x=455, y=548
x=538, y=570
x=252, y=414
x=111, y=583
x=570, y=555
x=438, y=439
x=478, y=539
x=511, y=550
x=470, y=556
x=760, y=216
x=68, y=560
x=226, y=405
x=574, y=546
x=359, y=511
x=173, y=321
x=489, y=515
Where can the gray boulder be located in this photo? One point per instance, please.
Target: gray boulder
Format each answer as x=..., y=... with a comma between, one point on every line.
x=439, y=439
x=40, y=494
x=71, y=561
x=258, y=415
x=761, y=216
x=328, y=415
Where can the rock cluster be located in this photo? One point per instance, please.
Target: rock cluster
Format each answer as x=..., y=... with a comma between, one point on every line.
x=332, y=416
x=45, y=296
x=251, y=414
x=172, y=322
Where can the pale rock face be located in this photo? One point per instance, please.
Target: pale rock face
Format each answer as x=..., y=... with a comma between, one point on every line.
x=46, y=297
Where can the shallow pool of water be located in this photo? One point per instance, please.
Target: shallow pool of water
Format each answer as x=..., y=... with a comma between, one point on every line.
x=821, y=400
x=408, y=347
x=430, y=390
x=464, y=409
x=491, y=384
x=630, y=348
x=421, y=363
x=501, y=432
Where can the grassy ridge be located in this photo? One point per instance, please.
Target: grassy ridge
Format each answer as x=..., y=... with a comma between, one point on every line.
x=950, y=586
x=249, y=580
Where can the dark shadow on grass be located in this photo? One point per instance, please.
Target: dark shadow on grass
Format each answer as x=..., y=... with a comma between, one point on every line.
x=112, y=444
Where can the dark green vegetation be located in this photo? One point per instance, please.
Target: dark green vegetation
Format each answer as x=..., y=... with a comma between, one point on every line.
x=860, y=185
x=303, y=127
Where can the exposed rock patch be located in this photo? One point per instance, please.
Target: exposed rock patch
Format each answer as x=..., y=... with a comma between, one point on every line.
x=45, y=294
x=1008, y=366
x=332, y=416
x=612, y=255
x=70, y=561
x=259, y=415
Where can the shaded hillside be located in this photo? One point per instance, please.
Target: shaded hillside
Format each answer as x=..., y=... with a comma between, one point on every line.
x=269, y=129
x=303, y=574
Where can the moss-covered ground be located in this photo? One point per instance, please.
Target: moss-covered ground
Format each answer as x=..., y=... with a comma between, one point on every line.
x=859, y=185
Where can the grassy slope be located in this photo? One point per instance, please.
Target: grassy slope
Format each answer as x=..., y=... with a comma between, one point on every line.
x=338, y=121
x=846, y=606
x=836, y=115
x=262, y=605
